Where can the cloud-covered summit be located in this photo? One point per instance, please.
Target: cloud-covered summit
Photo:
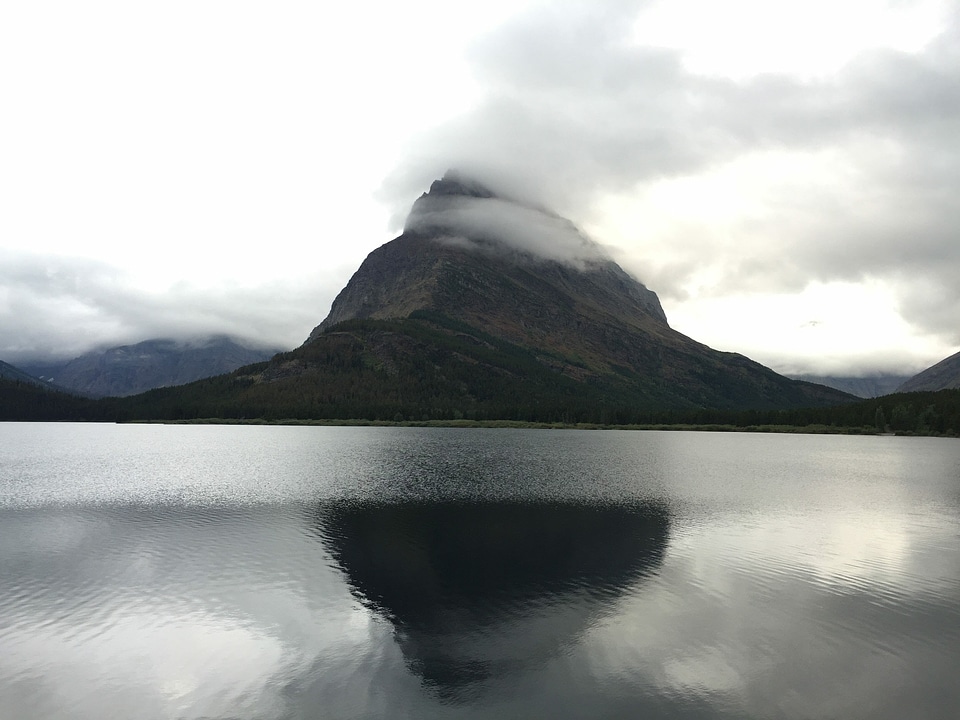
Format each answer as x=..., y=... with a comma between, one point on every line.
x=461, y=210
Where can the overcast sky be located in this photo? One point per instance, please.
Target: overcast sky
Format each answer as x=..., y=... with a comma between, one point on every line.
x=783, y=174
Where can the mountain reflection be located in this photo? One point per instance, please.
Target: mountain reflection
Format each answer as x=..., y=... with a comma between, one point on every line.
x=478, y=591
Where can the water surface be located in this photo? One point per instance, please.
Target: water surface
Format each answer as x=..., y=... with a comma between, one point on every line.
x=304, y=572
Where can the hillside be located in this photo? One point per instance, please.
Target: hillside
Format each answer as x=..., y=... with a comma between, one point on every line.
x=945, y=375
x=9, y=372
x=22, y=400
x=913, y=413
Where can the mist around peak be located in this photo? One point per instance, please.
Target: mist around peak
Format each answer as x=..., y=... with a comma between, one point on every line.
x=462, y=211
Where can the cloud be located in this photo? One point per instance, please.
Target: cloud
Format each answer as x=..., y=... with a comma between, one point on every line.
x=61, y=306
x=569, y=109
x=843, y=176
x=494, y=220
x=645, y=128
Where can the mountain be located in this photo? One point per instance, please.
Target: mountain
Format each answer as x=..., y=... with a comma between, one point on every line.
x=863, y=387
x=132, y=369
x=945, y=375
x=486, y=307
x=528, y=277
x=9, y=372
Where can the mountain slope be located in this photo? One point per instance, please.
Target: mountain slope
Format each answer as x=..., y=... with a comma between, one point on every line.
x=431, y=368
x=132, y=369
x=26, y=400
x=945, y=375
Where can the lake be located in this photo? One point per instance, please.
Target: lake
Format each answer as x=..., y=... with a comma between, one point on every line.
x=151, y=571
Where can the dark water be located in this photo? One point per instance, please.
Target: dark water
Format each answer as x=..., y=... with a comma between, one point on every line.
x=270, y=572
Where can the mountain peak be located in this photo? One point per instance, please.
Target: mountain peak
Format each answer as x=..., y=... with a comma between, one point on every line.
x=455, y=182
x=461, y=210
x=436, y=210
x=482, y=258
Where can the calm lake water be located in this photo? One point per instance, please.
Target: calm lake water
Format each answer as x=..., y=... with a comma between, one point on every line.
x=306, y=572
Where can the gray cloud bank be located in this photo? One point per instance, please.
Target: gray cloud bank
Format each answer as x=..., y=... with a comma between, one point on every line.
x=60, y=307
x=572, y=109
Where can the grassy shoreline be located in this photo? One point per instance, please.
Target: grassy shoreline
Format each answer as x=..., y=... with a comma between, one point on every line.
x=815, y=429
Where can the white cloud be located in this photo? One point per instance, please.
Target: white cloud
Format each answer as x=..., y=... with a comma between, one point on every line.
x=522, y=228
x=743, y=38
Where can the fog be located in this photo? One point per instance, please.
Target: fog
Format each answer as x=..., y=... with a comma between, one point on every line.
x=504, y=222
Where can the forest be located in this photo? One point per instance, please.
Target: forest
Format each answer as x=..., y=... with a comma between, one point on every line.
x=230, y=398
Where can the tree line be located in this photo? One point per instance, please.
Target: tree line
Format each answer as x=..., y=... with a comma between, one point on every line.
x=237, y=396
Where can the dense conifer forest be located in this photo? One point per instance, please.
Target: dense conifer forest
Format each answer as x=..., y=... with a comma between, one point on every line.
x=926, y=413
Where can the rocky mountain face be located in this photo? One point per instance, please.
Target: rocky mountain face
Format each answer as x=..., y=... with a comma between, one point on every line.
x=132, y=369
x=945, y=375
x=498, y=264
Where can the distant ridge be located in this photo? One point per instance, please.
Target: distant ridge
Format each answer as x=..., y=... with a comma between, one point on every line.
x=863, y=387
x=131, y=369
